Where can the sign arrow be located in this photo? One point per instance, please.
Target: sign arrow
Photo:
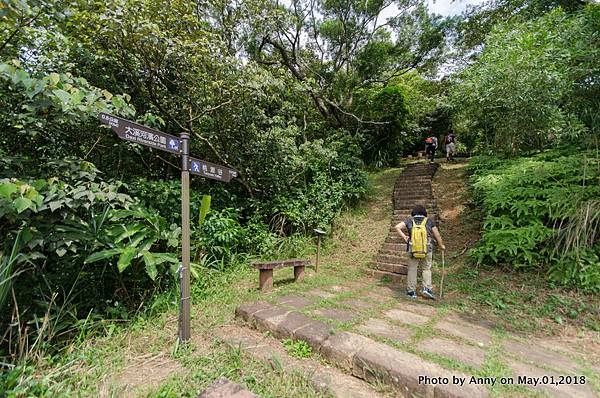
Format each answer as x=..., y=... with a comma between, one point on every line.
x=210, y=170
x=134, y=132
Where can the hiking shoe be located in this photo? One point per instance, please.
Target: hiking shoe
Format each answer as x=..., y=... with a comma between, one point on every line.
x=428, y=293
x=411, y=294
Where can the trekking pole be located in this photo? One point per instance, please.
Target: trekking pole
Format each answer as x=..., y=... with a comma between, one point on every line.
x=442, y=281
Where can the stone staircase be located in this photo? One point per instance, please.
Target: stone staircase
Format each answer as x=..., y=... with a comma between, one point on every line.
x=412, y=187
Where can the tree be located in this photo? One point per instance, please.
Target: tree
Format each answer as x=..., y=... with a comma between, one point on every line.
x=535, y=82
x=337, y=47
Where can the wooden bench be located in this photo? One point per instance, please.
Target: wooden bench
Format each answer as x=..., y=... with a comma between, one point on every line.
x=265, y=279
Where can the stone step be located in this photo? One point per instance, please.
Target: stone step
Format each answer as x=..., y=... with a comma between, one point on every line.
x=416, y=173
x=413, y=183
x=393, y=239
x=392, y=258
x=408, y=201
x=409, y=178
x=403, y=192
x=391, y=248
x=406, y=210
x=390, y=276
x=327, y=380
x=421, y=196
x=223, y=387
x=422, y=187
x=414, y=199
x=392, y=230
x=401, y=217
x=400, y=269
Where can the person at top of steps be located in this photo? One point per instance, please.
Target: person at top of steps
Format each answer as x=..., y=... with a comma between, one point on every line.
x=420, y=248
x=431, y=144
x=450, y=143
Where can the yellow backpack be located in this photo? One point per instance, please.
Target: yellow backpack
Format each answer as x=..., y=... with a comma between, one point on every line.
x=418, y=239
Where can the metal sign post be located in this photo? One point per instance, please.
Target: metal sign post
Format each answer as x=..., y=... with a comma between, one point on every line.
x=319, y=233
x=184, y=327
x=134, y=132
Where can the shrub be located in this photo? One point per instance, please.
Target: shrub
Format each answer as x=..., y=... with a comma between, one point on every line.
x=529, y=204
x=73, y=242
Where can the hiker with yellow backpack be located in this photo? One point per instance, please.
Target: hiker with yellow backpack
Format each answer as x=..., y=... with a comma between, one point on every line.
x=420, y=248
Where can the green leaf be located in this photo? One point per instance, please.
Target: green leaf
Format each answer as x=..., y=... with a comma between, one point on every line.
x=150, y=262
x=77, y=96
x=204, y=208
x=118, y=102
x=125, y=259
x=64, y=97
x=19, y=76
x=54, y=78
x=101, y=255
x=7, y=189
x=21, y=204
x=195, y=270
x=61, y=251
x=55, y=205
x=165, y=257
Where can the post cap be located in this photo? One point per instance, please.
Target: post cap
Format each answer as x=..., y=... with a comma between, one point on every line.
x=319, y=231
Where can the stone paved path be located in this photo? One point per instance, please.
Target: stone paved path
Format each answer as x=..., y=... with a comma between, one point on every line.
x=371, y=332
x=393, y=341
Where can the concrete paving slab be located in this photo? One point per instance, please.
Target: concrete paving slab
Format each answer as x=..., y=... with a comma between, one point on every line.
x=341, y=347
x=532, y=352
x=245, y=311
x=269, y=319
x=530, y=373
x=465, y=353
x=295, y=301
x=469, y=331
x=336, y=314
x=381, y=328
x=357, y=304
x=223, y=388
x=421, y=309
x=407, y=317
x=339, y=288
x=410, y=374
x=290, y=323
x=321, y=293
x=315, y=333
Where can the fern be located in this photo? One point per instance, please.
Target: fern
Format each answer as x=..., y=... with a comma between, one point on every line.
x=541, y=211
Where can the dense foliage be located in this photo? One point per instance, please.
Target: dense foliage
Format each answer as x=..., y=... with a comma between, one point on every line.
x=541, y=212
x=534, y=85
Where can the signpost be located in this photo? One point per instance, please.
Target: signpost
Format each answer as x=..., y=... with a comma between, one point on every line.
x=134, y=132
x=211, y=170
x=139, y=134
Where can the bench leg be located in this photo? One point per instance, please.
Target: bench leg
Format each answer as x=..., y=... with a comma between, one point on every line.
x=265, y=279
x=299, y=273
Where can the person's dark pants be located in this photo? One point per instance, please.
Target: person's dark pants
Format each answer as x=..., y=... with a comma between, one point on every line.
x=430, y=152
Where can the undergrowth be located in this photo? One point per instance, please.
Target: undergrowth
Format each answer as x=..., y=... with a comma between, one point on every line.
x=541, y=213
